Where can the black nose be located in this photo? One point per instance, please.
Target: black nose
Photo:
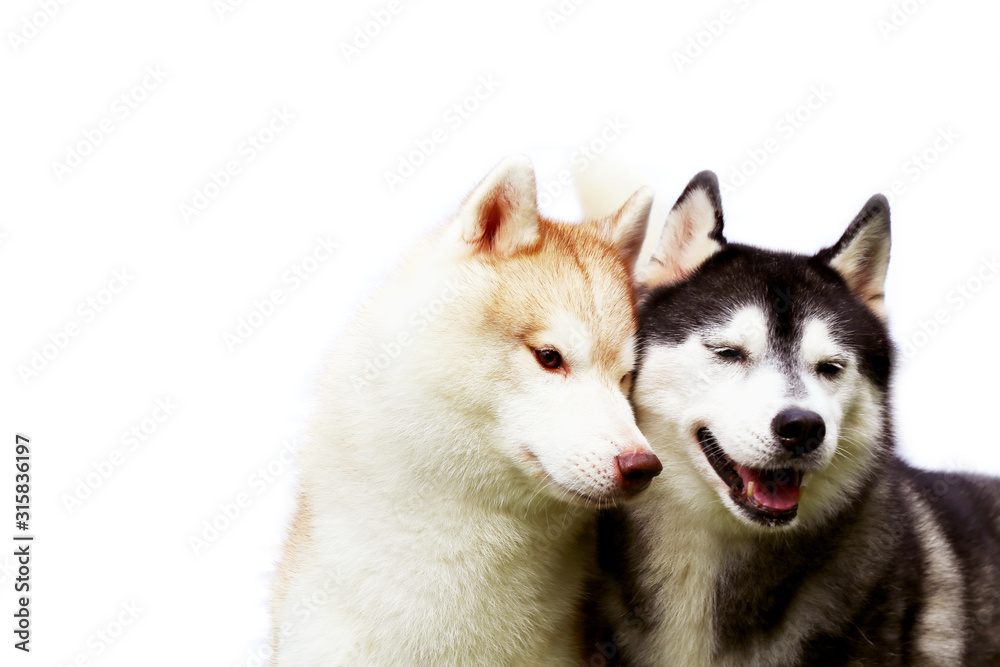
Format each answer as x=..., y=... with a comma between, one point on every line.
x=800, y=431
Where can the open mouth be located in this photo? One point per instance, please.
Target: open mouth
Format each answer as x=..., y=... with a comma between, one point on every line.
x=770, y=497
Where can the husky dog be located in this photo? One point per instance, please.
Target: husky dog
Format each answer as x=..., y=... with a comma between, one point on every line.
x=785, y=531
x=471, y=422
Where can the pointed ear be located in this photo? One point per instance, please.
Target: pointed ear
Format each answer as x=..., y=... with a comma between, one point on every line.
x=692, y=233
x=626, y=229
x=861, y=255
x=501, y=214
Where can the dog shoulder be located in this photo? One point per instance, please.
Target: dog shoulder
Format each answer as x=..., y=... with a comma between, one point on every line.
x=957, y=518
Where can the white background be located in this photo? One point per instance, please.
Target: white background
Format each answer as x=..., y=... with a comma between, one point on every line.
x=559, y=80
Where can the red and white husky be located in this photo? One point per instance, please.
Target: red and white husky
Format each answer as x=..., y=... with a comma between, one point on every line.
x=448, y=493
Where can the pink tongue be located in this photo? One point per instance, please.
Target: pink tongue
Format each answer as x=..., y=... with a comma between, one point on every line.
x=767, y=491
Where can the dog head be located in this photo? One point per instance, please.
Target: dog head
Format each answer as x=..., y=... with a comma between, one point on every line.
x=763, y=375
x=551, y=311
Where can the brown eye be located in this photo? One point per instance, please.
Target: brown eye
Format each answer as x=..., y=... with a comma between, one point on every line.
x=730, y=353
x=549, y=358
x=830, y=368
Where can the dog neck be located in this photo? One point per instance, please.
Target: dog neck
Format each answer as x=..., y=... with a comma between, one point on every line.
x=441, y=531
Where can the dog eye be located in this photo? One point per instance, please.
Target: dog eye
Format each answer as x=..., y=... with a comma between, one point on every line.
x=549, y=358
x=730, y=353
x=829, y=368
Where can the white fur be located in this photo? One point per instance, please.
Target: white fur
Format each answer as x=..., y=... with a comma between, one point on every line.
x=690, y=513
x=864, y=260
x=450, y=495
x=940, y=628
x=688, y=386
x=685, y=243
x=684, y=564
x=514, y=180
x=629, y=223
x=688, y=520
x=602, y=185
x=671, y=249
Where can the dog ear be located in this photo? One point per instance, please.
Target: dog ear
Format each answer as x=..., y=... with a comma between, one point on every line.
x=626, y=229
x=501, y=214
x=861, y=255
x=692, y=233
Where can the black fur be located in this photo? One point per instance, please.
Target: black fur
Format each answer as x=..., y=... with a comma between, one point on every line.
x=862, y=577
x=791, y=287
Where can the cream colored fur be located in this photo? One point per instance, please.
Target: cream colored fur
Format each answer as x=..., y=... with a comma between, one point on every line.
x=447, y=497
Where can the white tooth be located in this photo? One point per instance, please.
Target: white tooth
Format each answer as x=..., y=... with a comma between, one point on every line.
x=750, y=490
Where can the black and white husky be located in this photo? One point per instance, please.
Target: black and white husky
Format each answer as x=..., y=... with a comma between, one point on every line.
x=784, y=530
